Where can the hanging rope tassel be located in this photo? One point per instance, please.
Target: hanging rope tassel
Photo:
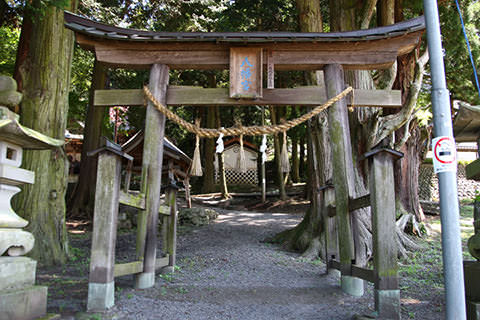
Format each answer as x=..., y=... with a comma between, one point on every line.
x=284, y=161
x=241, y=164
x=196, y=169
x=220, y=146
x=263, y=148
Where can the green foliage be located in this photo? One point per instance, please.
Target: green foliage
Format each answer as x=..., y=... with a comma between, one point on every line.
x=80, y=82
x=459, y=72
x=8, y=49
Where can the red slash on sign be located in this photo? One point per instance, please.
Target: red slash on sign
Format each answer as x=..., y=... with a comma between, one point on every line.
x=444, y=154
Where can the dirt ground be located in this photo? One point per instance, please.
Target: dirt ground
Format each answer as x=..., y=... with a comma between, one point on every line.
x=226, y=271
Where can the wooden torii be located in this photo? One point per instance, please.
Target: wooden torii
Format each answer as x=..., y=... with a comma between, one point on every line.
x=246, y=54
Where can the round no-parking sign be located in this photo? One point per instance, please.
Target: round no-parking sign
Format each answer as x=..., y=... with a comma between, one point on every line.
x=444, y=154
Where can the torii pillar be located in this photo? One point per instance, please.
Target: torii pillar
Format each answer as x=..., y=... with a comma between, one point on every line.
x=343, y=168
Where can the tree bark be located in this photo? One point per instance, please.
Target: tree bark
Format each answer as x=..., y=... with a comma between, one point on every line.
x=276, y=143
x=209, y=146
x=295, y=162
x=82, y=200
x=406, y=173
x=46, y=78
x=23, y=49
x=301, y=158
x=306, y=237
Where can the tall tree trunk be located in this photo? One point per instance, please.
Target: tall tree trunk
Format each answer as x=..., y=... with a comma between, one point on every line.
x=306, y=236
x=23, y=48
x=82, y=200
x=276, y=144
x=301, y=158
x=406, y=172
x=295, y=162
x=209, y=146
x=46, y=78
x=221, y=162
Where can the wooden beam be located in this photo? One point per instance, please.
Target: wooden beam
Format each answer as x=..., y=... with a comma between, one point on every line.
x=359, y=203
x=375, y=54
x=354, y=271
x=197, y=96
x=123, y=269
x=219, y=60
x=138, y=201
x=162, y=262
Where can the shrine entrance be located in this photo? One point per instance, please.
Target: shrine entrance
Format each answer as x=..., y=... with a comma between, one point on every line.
x=247, y=55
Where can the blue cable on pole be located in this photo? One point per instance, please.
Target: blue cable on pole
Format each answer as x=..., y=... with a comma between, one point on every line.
x=468, y=47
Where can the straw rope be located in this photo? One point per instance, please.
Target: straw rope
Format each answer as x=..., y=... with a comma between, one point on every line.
x=240, y=130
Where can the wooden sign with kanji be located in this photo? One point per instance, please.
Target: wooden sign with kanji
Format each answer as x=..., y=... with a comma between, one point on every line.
x=246, y=73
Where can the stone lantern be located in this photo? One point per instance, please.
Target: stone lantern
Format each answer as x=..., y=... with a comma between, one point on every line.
x=19, y=297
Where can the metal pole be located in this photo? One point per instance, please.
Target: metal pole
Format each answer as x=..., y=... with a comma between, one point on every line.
x=449, y=213
x=264, y=178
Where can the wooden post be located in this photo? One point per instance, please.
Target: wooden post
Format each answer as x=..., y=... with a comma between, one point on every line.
x=264, y=177
x=152, y=170
x=101, y=286
x=382, y=199
x=330, y=226
x=188, y=198
x=339, y=131
x=171, y=230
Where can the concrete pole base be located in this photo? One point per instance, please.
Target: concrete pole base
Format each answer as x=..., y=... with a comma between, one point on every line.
x=352, y=285
x=101, y=296
x=144, y=280
x=387, y=304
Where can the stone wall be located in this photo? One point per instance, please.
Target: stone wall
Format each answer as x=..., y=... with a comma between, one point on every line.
x=428, y=184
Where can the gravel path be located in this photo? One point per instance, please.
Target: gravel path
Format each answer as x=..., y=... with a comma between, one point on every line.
x=225, y=271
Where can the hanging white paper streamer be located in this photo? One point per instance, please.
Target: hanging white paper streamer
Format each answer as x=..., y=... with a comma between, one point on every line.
x=263, y=148
x=220, y=146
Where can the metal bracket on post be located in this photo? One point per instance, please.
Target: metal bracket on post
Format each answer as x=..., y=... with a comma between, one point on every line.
x=101, y=286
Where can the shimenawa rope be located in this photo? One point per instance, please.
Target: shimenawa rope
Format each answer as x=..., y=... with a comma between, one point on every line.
x=240, y=130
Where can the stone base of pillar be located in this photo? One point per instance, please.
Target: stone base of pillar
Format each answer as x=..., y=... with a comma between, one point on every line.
x=352, y=285
x=101, y=296
x=26, y=304
x=387, y=304
x=145, y=280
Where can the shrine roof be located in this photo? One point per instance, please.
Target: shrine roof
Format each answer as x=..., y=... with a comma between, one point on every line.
x=99, y=30
x=466, y=124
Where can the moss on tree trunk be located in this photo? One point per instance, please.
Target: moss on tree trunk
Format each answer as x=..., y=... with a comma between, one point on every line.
x=46, y=79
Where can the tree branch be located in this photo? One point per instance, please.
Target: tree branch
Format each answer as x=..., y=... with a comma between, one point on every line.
x=393, y=122
x=367, y=12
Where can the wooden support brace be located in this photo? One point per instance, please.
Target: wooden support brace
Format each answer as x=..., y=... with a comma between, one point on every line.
x=353, y=205
x=330, y=226
x=152, y=172
x=102, y=259
x=382, y=194
x=171, y=229
x=137, y=200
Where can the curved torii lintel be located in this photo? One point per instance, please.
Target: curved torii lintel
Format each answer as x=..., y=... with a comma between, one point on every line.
x=375, y=48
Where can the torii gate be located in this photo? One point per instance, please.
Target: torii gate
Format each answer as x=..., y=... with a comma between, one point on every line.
x=332, y=52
